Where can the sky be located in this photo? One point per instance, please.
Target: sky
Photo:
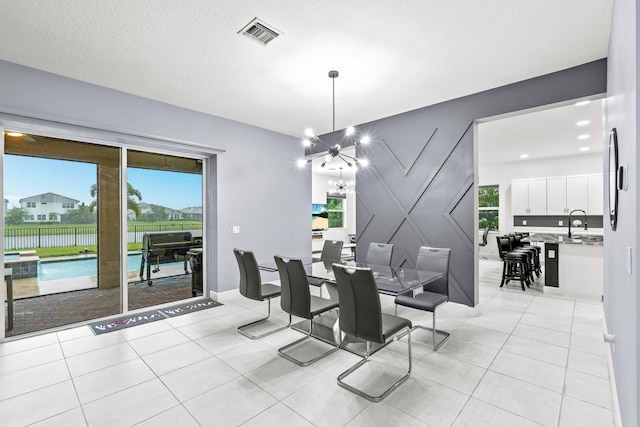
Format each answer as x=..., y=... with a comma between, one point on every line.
x=30, y=176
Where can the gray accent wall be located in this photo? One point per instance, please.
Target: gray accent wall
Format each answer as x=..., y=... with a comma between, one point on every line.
x=254, y=184
x=419, y=187
x=621, y=296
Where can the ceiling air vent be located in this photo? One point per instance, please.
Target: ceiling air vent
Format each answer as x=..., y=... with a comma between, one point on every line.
x=259, y=31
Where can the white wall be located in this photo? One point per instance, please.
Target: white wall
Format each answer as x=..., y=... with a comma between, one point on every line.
x=621, y=285
x=501, y=174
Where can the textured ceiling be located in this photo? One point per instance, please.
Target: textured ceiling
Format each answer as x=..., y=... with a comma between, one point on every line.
x=392, y=55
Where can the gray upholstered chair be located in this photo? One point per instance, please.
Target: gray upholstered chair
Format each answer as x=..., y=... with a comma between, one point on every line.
x=361, y=317
x=435, y=293
x=297, y=301
x=331, y=252
x=379, y=253
x=251, y=287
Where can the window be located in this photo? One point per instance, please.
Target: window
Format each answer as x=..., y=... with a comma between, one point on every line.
x=488, y=206
x=31, y=204
x=31, y=218
x=42, y=217
x=67, y=205
x=335, y=206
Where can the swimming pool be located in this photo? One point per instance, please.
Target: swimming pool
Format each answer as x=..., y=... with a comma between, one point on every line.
x=65, y=269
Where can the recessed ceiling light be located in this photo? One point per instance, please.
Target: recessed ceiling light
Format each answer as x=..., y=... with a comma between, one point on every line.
x=582, y=123
x=585, y=148
x=16, y=134
x=524, y=156
x=581, y=103
x=583, y=136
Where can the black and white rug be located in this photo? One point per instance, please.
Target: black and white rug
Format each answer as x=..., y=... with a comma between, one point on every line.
x=128, y=321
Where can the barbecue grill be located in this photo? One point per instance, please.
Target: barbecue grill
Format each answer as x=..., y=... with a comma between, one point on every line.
x=165, y=247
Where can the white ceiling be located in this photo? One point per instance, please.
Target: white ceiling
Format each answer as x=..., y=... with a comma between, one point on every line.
x=392, y=55
x=547, y=133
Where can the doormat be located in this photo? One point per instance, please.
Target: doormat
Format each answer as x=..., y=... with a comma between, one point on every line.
x=150, y=316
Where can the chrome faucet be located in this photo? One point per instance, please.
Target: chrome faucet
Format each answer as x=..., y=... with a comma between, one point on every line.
x=585, y=220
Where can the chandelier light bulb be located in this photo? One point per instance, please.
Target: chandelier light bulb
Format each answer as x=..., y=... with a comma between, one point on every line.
x=350, y=130
x=327, y=158
x=306, y=143
x=363, y=162
x=301, y=163
x=365, y=140
x=309, y=132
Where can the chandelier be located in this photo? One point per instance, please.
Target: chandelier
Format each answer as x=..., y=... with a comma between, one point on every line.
x=333, y=148
x=341, y=186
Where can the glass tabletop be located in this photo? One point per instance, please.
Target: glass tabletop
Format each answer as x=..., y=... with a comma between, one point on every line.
x=390, y=280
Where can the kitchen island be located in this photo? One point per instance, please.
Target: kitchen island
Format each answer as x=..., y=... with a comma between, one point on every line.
x=573, y=266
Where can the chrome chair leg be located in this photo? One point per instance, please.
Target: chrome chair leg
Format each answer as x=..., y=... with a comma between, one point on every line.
x=282, y=351
x=242, y=329
x=364, y=360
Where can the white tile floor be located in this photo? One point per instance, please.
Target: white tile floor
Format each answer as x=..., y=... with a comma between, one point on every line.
x=529, y=359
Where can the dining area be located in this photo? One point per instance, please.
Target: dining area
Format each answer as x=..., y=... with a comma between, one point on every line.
x=335, y=305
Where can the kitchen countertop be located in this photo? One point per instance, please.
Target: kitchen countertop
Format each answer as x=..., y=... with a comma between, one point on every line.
x=577, y=239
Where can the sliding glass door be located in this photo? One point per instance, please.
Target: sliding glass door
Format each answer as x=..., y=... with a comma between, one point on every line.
x=64, y=235
x=164, y=223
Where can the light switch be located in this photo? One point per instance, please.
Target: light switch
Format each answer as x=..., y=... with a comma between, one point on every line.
x=560, y=223
x=524, y=222
x=236, y=229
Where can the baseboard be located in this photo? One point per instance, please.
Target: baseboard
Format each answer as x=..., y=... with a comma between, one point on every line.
x=612, y=378
x=220, y=296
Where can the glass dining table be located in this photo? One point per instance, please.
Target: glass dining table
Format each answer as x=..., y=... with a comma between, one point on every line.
x=389, y=280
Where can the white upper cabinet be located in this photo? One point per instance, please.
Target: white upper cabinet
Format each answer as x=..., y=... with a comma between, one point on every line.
x=529, y=196
x=566, y=193
x=595, y=194
x=556, y=195
x=576, y=192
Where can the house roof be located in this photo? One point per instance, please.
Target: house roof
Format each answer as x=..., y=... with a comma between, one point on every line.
x=49, y=197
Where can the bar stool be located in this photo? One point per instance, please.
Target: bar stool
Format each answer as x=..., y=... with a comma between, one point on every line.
x=535, y=252
x=515, y=264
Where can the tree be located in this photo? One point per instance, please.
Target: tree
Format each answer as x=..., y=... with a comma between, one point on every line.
x=157, y=213
x=81, y=215
x=16, y=216
x=131, y=203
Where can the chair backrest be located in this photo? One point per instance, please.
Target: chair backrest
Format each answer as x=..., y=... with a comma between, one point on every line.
x=503, y=245
x=485, y=233
x=435, y=259
x=359, y=303
x=332, y=250
x=513, y=242
x=379, y=253
x=295, y=297
x=250, y=280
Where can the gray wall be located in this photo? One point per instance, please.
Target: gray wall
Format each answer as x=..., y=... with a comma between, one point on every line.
x=418, y=189
x=255, y=183
x=621, y=288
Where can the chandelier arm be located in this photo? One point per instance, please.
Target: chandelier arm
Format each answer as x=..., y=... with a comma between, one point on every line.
x=348, y=156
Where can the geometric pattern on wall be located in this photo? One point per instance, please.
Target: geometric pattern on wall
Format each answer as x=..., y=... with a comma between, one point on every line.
x=414, y=193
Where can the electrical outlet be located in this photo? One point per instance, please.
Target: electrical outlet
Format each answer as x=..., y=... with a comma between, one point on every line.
x=560, y=223
x=236, y=229
x=524, y=222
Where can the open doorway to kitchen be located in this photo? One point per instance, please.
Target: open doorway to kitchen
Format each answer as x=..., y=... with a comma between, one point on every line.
x=541, y=165
x=333, y=204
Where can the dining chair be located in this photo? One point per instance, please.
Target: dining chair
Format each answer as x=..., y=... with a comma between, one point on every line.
x=298, y=301
x=434, y=294
x=331, y=252
x=361, y=317
x=379, y=253
x=485, y=233
x=251, y=287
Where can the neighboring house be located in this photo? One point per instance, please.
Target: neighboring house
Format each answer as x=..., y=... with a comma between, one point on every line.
x=48, y=207
x=193, y=212
x=169, y=214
